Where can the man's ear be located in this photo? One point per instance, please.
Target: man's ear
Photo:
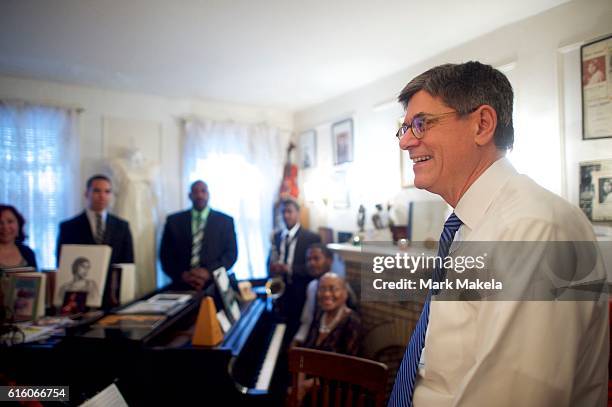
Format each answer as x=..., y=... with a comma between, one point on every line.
x=486, y=122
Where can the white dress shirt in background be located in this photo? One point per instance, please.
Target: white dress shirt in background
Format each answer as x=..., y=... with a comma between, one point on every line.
x=91, y=217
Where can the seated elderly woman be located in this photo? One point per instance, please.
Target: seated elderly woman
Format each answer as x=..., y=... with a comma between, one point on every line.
x=13, y=253
x=319, y=261
x=335, y=328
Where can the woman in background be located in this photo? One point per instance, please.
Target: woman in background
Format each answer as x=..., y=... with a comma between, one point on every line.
x=336, y=327
x=13, y=253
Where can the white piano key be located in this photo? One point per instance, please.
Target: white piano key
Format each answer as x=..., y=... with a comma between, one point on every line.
x=267, y=368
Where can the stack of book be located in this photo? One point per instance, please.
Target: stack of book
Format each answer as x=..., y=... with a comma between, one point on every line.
x=148, y=322
x=161, y=304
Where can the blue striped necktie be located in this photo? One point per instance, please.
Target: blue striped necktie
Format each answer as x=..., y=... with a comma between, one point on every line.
x=403, y=389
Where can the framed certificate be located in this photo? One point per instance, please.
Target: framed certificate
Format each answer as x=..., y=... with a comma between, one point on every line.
x=596, y=74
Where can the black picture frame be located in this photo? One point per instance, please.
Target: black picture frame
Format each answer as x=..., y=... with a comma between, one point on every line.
x=343, y=141
x=596, y=78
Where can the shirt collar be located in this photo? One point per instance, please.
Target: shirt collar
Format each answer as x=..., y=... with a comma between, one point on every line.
x=477, y=199
x=201, y=214
x=292, y=232
x=91, y=215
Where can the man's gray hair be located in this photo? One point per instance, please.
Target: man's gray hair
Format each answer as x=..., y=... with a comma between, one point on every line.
x=465, y=87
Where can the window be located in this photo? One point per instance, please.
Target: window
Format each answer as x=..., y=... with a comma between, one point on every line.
x=230, y=192
x=242, y=166
x=37, y=153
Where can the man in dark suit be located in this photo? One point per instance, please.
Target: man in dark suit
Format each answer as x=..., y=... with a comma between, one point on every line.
x=195, y=242
x=288, y=261
x=96, y=226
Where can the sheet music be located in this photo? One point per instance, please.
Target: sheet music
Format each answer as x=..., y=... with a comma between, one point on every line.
x=235, y=310
x=223, y=321
x=109, y=397
x=222, y=279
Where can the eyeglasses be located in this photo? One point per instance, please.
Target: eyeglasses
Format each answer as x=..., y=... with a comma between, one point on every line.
x=423, y=122
x=332, y=289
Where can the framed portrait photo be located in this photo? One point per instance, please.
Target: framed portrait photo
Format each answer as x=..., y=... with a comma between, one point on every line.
x=602, y=202
x=83, y=268
x=25, y=293
x=595, y=191
x=342, y=139
x=596, y=76
x=308, y=149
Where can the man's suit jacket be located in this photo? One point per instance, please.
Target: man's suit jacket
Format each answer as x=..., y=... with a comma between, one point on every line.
x=293, y=299
x=219, y=246
x=304, y=238
x=116, y=235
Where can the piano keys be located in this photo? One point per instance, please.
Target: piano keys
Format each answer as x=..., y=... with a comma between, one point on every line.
x=267, y=367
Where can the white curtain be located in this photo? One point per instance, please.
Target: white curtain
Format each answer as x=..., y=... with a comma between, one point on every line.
x=38, y=168
x=242, y=165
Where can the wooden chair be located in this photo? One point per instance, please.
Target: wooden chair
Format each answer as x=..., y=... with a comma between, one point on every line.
x=356, y=381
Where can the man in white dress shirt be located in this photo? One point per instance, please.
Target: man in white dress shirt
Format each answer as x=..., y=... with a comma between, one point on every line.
x=287, y=261
x=457, y=129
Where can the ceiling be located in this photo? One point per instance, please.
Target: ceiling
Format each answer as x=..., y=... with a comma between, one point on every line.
x=271, y=53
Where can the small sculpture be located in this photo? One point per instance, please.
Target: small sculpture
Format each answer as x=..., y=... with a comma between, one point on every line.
x=361, y=218
x=380, y=218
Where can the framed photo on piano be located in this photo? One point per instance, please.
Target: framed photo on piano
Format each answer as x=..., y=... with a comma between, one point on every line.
x=83, y=268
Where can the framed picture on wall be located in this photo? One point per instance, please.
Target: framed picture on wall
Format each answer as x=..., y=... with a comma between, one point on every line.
x=308, y=149
x=596, y=74
x=595, y=198
x=342, y=138
x=340, y=191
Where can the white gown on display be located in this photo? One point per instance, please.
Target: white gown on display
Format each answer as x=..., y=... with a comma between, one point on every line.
x=136, y=184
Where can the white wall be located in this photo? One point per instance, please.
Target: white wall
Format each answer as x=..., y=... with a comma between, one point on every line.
x=545, y=148
x=99, y=104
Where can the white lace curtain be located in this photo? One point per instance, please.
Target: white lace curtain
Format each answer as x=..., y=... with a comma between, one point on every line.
x=38, y=168
x=242, y=165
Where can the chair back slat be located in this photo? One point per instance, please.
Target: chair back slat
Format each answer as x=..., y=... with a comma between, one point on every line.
x=338, y=393
x=362, y=399
x=294, y=383
x=325, y=387
x=314, y=394
x=379, y=399
x=349, y=396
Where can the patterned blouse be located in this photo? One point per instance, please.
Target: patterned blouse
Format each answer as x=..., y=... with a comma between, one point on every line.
x=345, y=337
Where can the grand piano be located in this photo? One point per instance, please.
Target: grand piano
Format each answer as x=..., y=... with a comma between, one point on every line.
x=161, y=366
